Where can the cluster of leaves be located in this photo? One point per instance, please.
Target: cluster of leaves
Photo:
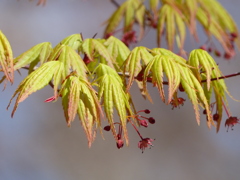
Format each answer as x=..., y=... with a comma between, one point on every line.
x=93, y=78
x=171, y=18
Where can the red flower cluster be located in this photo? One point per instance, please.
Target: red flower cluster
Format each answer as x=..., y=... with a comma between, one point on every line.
x=231, y=121
x=231, y=49
x=177, y=102
x=143, y=121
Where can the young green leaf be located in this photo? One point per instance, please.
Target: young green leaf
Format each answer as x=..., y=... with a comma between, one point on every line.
x=74, y=41
x=115, y=19
x=6, y=58
x=35, y=81
x=72, y=61
x=111, y=92
x=93, y=47
x=203, y=63
x=36, y=54
x=78, y=97
x=133, y=63
x=117, y=49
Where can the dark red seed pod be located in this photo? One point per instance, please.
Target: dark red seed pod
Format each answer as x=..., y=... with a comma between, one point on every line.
x=151, y=120
x=204, y=111
x=119, y=143
x=216, y=117
x=234, y=35
x=107, y=128
x=227, y=55
x=147, y=111
x=209, y=49
x=203, y=47
x=181, y=89
x=217, y=53
x=143, y=123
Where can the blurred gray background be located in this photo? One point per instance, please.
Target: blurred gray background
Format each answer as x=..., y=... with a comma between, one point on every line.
x=37, y=144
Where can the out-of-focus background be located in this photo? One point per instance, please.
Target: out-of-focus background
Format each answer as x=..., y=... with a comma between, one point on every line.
x=37, y=144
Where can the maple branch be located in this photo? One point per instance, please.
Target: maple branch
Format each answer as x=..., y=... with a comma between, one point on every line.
x=223, y=77
x=149, y=79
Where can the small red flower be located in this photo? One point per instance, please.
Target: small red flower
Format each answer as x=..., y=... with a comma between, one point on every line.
x=129, y=37
x=144, y=143
x=216, y=117
x=176, y=103
x=120, y=141
x=143, y=122
x=217, y=53
x=203, y=47
x=231, y=121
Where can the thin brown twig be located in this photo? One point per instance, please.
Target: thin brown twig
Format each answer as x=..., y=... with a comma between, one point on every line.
x=115, y=3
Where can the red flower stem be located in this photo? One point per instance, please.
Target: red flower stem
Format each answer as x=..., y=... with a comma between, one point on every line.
x=143, y=117
x=225, y=108
x=136, y=129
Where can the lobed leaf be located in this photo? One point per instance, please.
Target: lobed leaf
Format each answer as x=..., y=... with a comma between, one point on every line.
x=6, y=58
x=93, y=47
x=35, y=81
x=78, y=97
x=213, y=28
x=176, y=72
x=118, y=50
x=111, y=92
x=133, y=63
x=163, y=64
x=72, y=61
x=38, y=53
x=115, y=19
x=74, y=41
x=203, y=63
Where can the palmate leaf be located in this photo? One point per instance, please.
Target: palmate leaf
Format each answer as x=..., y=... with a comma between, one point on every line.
x=203, y=63
x=133, y=63
x=6, y=58
x=131, y=11
x=206, y=70
x=93, y=47
x=166, y=64
x=217, y=11
x=176, y=73
x=189, y=8
x=78, y=97
x=74, y=41
x=115, y=19
x=213, y=28
x=117, y=49
x=36, y=54
x=35, y=81
x=172, y=19
x=196, y=94
x=111, y=92
x=72, y=61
